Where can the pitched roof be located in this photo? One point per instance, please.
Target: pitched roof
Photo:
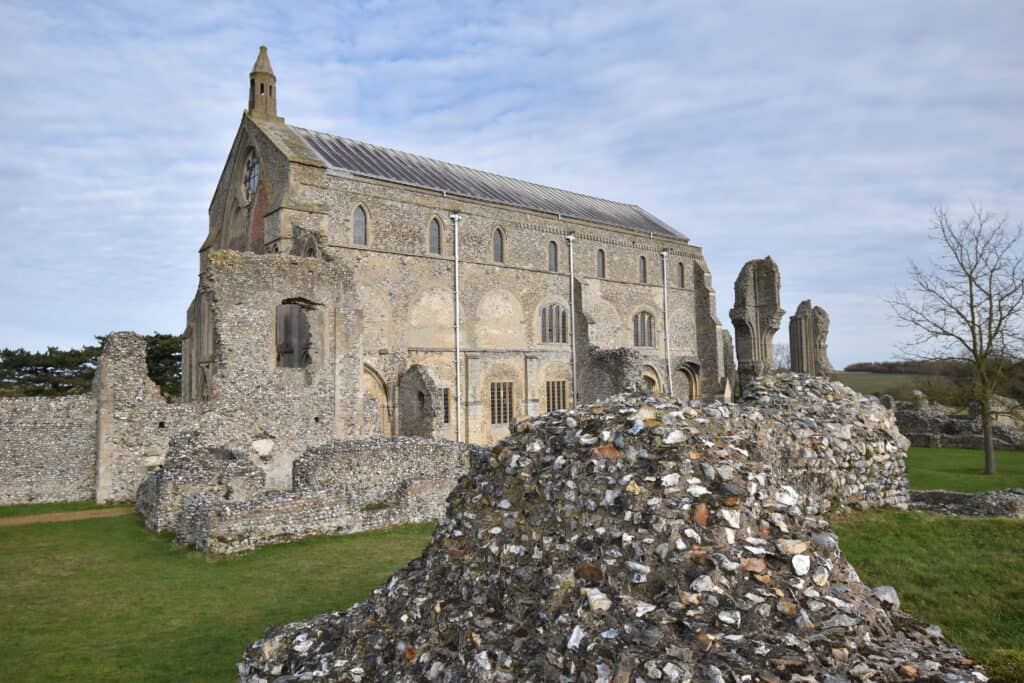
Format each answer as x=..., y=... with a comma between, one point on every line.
x=361, y=158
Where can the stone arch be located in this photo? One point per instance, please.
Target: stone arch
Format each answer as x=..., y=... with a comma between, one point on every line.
x=500, y=322
x=650, y=380
x=418, y=402
x=376, y=406
x=686, y=381
x=432, y=320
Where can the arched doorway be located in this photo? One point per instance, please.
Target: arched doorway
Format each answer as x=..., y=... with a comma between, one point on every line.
x=685, y=381
x=650, y=382
x=376, y=408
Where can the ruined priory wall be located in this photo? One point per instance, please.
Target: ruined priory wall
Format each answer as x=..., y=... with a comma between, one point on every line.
x=134, y=422
x=291, y=407
x=340, y=487
x=47, y=449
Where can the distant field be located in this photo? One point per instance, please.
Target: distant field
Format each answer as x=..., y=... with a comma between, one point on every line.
x=962, y=469
x=899, y=386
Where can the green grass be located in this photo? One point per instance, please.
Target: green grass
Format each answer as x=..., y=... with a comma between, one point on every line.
x=963, y=574
x=962, y=469
x=46, y=508
x=105, y=600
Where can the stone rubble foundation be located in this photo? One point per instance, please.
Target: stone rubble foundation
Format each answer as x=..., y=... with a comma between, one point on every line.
x=637, y=540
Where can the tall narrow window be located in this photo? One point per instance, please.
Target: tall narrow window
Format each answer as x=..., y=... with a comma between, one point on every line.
x=359, y=226
x=446, y=406
x=554, y=324
x=499, y=247
x=643, y=329
x=292, y=336
x=435, y=236
x=556, y=395
x=680, y=279
x=501, y=403
x=600, y=263
x=643, y=269
x=552, y=257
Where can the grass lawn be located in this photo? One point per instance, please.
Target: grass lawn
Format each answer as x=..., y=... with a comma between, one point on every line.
x=963, y=574
x=961, y=469
x=105, y=600
x=45, y=508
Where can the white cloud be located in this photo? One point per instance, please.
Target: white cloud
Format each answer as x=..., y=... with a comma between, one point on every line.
x=821, y=134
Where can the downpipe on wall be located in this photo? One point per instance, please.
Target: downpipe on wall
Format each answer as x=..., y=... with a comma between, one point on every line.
x=458, y=345
x=664, y=295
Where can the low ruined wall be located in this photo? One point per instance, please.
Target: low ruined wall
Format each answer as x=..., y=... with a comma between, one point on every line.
x=340, y=487
x=47, y=449
x=934, y=427
x=193, y=468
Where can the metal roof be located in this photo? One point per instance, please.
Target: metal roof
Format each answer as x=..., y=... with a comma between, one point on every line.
x=361, y=158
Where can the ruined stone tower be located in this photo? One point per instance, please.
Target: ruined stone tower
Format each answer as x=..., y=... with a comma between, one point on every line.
x=808, y=334
x=756, y=317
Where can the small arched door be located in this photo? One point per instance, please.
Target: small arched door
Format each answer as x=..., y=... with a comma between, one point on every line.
x=376, y=409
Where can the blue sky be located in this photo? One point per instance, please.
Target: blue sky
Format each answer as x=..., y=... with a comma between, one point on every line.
x=823, y=134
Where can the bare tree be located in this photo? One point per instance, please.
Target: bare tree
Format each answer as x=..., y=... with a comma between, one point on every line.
x=782, y=359
x=968, y=305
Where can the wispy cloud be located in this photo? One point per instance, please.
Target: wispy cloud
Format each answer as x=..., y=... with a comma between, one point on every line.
x=821, y=134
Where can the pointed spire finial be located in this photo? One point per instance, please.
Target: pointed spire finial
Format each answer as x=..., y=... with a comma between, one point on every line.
x=263, y=88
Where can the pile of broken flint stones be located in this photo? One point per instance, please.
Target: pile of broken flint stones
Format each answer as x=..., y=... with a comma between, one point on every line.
x=639, y=540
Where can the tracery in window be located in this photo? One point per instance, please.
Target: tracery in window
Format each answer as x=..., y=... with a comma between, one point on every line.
x=554, y=324
x=643, y=329
x=252, y=175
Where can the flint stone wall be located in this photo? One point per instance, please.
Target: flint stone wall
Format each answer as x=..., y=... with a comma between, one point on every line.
x=933, y=427
x=216, y=505
x=193, y=468
x=47, y=449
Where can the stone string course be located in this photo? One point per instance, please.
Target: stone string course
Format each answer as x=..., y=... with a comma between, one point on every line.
x=47, y=449
x=213, y=498
x=637, y=541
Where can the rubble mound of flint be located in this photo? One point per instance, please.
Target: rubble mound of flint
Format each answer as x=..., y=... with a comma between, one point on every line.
x=636, y=540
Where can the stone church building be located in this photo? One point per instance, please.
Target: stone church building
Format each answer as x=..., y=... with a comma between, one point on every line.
x=333, y=269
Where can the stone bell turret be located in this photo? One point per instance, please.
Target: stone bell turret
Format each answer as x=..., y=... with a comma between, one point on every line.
x=263, y=88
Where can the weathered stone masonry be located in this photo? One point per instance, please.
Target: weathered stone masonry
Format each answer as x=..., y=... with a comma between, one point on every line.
x=47, y=449
x=100, y=445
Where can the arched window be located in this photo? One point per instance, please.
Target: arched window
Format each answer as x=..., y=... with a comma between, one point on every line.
x=643, y=269
x=643, y=329
x=435, y=236
x=499, y=247
x=554, y=324
x=680, y=279
x=359, y=226
x=552, y=257
x=600, y=263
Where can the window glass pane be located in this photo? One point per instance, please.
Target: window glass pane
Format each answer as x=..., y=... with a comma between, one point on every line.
x=435, y=237
x=359, y=226
x=499, y=247
x=600, y=263
x=553, y=257
x=643, y=269
x=679, y=275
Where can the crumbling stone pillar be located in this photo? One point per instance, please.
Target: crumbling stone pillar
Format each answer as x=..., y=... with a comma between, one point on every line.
x=808, y=334
x=756, y=317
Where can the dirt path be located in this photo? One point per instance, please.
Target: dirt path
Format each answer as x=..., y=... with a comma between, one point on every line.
x=65, y=516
